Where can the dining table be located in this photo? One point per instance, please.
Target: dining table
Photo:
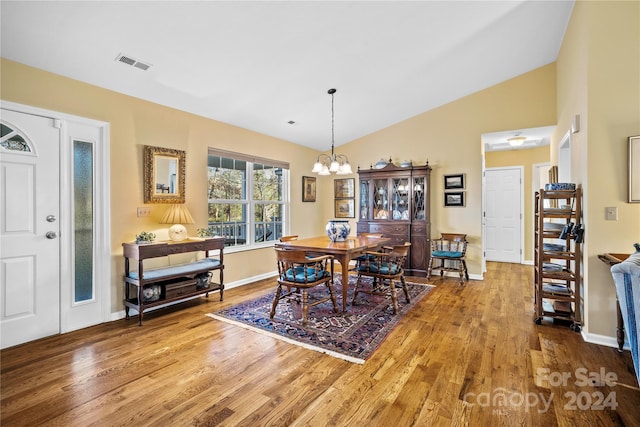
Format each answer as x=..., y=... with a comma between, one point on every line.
x=343, y=252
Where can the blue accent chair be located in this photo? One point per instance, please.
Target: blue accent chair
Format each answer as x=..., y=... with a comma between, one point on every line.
x=448, y=254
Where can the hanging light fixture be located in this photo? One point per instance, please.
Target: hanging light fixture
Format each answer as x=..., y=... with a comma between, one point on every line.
x=517, y=140
x=336, y=163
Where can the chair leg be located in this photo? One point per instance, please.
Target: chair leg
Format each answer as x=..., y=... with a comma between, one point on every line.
x=464, y=266
x=404, y=288
x=355, y=290
x=333, y=297
x=430, y=268
x=275, y=301
x=305, y=306
x=394, y=296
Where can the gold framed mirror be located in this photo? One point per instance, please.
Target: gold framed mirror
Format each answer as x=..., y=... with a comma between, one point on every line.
x=164, y=175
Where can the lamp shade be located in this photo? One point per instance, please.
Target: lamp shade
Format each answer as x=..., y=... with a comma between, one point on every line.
x=177, y=214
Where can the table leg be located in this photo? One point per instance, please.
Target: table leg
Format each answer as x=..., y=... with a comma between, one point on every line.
x=344, y=266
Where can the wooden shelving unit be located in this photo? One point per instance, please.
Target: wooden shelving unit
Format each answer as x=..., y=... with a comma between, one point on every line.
x=557, y=256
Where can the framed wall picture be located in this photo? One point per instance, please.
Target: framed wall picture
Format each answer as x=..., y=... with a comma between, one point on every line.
x=308, y=189
x=454, y=199
x=634, y=169
x=345, y=208
x=453, y=182
x=344, y=188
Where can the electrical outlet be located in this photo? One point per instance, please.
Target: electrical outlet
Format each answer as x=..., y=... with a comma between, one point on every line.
x=611, y=214
x=144, y=212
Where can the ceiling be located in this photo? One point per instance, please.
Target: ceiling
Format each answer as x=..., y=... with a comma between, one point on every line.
x=262, y=64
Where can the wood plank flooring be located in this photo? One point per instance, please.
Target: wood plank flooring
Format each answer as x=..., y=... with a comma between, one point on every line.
x=465, y=355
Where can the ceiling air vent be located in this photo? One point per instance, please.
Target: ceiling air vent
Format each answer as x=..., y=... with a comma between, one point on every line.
x=134, y=62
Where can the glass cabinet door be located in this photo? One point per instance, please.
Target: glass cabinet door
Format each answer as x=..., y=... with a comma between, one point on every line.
x=400, y=199
x=380, y=199
x=419, y=198
x=364, y=199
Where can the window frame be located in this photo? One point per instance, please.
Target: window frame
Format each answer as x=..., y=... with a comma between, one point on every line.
x=248, y=198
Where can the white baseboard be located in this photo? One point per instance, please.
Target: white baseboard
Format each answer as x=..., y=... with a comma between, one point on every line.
x=603, y=340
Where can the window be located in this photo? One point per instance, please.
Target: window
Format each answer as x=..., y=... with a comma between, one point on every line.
x=248, y=198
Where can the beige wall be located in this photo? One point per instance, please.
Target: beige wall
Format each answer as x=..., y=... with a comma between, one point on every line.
x=135, y=123
x=599, y=79
x=450, y=138
x=525, y=158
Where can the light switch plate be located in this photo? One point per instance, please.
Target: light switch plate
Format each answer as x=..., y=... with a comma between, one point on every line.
x=611, y=213
x=144, y=211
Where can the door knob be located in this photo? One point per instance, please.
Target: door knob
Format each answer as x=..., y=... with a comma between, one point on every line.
x=51, y=235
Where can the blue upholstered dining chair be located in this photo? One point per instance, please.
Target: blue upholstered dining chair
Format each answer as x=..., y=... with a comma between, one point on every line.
x=365, y=257
x=384, y=267
x=297, y=272
x=448, y=254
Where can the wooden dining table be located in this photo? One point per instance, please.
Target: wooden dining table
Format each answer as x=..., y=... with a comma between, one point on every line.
x=344, y=252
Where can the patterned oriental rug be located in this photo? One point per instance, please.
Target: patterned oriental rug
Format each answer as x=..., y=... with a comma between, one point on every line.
x=352, y=336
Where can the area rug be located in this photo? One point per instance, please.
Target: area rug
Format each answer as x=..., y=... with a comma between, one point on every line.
x=352, y=336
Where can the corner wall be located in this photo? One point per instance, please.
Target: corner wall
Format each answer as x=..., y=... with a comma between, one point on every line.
x=449, y=137
x=599, y=79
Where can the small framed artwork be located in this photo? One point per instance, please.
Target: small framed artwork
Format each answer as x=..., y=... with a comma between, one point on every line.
x=454, y=198
x=308, y=189
x=634, y=169
x=452, y=182
x=345, y=208
x=344, y=188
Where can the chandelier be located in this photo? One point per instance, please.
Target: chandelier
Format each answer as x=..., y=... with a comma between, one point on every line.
x=336, y=163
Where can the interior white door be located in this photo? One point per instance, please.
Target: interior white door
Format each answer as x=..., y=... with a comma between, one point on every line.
x=29, y=228
x=503, y=215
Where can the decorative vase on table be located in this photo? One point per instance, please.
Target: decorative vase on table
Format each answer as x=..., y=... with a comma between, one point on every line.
x=338, y=229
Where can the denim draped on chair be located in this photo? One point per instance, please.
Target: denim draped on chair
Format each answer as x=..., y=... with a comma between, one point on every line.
x=626, y=276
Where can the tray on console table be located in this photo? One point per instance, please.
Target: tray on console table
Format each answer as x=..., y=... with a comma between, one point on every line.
x=147, y=288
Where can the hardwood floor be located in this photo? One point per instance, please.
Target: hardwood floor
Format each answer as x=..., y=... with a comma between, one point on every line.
x=468, y=355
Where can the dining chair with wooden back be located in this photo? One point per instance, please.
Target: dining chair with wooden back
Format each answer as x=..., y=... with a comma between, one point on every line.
x=364, y=257
x=385, y=267
x=289, y=238
x=448, y=254
x=297, y=272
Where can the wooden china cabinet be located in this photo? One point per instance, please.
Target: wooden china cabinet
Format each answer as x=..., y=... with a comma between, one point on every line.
x=394, y=201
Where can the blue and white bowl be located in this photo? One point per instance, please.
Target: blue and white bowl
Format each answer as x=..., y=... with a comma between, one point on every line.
x=558, y=186
x=338, y=230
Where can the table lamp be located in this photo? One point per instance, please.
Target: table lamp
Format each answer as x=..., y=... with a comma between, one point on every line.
x=177, y=215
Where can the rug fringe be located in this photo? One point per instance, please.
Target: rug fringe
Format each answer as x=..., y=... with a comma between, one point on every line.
x=289, y=340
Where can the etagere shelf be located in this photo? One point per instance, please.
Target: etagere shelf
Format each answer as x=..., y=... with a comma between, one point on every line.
x=557, y=256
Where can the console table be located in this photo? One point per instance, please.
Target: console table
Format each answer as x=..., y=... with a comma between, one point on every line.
x=144, y=289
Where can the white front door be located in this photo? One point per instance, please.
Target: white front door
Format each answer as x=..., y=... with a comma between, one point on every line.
x=29, y=228
x=503, y=214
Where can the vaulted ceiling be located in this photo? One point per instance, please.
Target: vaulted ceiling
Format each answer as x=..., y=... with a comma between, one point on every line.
x=267, y=65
